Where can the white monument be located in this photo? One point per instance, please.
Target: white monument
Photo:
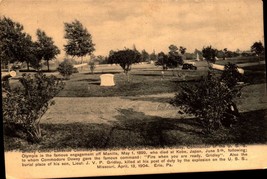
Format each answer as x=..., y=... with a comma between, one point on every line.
x=221, y=68
x=197, y=59
x=107, y=80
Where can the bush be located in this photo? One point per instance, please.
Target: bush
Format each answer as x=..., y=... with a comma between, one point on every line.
x=75, y=70
x=24, y=105
x=211, y=101
x=65, y=68
x=230, y=75
x=92, y=67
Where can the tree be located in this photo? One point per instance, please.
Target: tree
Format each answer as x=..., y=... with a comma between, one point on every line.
x=182, y=50
x=153, y=56
x=257, y=48
x=209, y=54
x=225, y=51
x=173, y=48
x=92, y=67
x=144, y=56
x=45, y=48
x=162, y=60
x=174, y=58
x=125, y=58
x=79, y=40
x=15, y=45
x=24, y=106
x=29, y=52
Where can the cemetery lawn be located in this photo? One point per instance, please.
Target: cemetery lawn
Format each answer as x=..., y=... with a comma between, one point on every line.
x=123, y=118
x=141, y=82
x=142, y=131
x=145, y=81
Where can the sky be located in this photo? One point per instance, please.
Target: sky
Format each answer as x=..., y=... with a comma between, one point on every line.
x=149, y=24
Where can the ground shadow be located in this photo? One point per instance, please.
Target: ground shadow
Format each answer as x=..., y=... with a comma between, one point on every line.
x=90, y=81
x=150, y=99
x=103, y=72
x=151, y=131
x=148, y=75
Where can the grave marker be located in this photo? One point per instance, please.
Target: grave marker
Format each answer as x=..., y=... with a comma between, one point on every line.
x=107, y=80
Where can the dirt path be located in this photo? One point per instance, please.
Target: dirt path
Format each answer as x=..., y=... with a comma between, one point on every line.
x=106, y=109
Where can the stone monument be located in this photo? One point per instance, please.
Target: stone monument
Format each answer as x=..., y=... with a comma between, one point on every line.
x=107, y=80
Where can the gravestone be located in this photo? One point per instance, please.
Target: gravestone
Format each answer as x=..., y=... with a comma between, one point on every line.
x=12, y=73
x=107, y=80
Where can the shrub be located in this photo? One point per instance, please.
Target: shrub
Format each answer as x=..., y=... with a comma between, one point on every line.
x=210, y=100
x=92, y=67
x=75, y=70
x=230, y=75
x=65, y=68
x=23, y=106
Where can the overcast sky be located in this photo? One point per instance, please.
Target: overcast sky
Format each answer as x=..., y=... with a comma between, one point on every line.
x=149, y=24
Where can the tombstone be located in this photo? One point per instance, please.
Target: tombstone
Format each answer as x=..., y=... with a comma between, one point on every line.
x=107, y=80
x=12, y=73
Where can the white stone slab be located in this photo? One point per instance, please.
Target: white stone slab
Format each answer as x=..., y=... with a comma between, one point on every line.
x=107, y=80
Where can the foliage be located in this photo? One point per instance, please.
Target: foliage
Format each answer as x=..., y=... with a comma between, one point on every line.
x=182, y=50
x=45, y=48
x=153, y=56
x=172, y=60
x=230, y=75
x=24, y=106
x=162, y=60
x=144, y=56
x=65, y=68
x=75, y=70
x=210, y=100
x=15, y=45
x=92, y=67
x=125, y=58
x=209, y=54
x=79, y=40
x=101, y=59
x=257, y=48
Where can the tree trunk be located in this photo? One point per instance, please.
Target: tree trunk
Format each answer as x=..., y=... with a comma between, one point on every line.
x=173, y=72
x=8, y=66
x=47, y=65
x=34, y=133
x=81, y=63
x=28, y=66
x=127, y=75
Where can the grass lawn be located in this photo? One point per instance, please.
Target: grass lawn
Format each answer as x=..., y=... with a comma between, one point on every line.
x=136, y=130
x=142, y=82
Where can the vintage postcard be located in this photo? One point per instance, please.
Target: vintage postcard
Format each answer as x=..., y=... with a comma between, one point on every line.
x=120, y=87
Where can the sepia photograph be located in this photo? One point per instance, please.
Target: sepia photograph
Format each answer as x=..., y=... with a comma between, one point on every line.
x=132, y=76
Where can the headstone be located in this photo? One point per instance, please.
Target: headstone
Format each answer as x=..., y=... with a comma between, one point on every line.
x=12, y=73
x=107, y=80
